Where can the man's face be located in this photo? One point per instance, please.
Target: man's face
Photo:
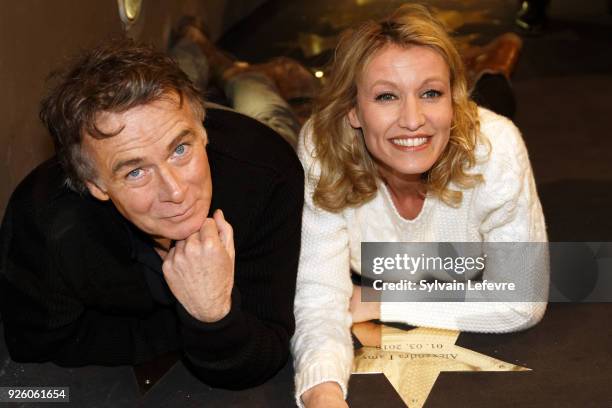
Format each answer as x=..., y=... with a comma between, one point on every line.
x=155, y=170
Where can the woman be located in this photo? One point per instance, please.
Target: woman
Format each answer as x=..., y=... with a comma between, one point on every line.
x=396, y=151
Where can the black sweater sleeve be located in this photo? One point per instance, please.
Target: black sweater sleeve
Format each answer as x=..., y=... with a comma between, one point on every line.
x=251, y=343
x=68, y=299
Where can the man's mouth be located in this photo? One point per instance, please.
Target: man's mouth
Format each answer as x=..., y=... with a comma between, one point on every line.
x=181, y=215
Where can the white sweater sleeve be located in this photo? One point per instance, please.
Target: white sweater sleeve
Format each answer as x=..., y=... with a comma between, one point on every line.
x=322, y=347
x=507, y=209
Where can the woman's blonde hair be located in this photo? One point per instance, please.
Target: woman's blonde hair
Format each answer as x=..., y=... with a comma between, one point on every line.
x=348, y=172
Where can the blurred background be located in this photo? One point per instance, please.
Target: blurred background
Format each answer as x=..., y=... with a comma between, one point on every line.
x=560, y=91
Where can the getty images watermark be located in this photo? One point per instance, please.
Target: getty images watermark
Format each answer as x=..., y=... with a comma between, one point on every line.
x=481, y=272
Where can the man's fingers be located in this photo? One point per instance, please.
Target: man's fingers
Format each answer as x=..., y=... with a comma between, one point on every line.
x=226, y=232
x=209, y=231
x=179, y=247
x=168, y=262
x=171, y=253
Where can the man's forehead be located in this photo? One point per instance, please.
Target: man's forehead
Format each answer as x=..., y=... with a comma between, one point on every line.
x=112, y=123
x=157, y=123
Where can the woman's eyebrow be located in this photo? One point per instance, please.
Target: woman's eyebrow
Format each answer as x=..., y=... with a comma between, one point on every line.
x=435, y=78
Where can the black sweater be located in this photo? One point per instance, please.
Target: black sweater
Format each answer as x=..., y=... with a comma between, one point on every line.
x=73, y=289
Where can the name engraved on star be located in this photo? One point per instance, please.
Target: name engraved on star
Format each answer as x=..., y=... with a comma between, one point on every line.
x=409, y=356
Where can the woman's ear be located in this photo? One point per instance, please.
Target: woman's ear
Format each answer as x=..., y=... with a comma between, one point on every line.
x=354, y=118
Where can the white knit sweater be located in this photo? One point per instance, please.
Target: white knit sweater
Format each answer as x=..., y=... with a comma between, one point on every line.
x=505, y=208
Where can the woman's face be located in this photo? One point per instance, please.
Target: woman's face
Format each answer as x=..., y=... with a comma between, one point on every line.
x=404, y=108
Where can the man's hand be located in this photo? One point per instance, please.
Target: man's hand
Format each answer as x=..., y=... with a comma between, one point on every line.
x=363, y=311
x=324, y=395
x=200, y=270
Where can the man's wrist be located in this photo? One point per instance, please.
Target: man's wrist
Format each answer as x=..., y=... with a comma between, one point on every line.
x=216, y=313
x=220, y=308
x=233, y=313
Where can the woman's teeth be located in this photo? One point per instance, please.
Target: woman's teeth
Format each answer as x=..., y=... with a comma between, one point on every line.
x=411, y=142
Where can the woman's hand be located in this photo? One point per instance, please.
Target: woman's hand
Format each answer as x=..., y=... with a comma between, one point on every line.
x=324, y=395
x=368, y=333
x=363, y=311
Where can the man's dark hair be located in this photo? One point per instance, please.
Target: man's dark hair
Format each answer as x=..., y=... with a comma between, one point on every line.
x=113, y=77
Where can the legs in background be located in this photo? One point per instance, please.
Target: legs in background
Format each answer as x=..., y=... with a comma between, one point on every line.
x=489, y=68
x=255, y=94
x=262, y=91
x=274, y=92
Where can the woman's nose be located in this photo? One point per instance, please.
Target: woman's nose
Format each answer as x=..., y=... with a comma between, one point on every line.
x=411, y=116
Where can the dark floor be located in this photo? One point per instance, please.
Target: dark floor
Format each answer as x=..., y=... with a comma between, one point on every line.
x=562, y=85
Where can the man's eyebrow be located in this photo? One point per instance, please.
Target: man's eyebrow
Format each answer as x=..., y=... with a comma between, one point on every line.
x=179, y=138
x=136, y=161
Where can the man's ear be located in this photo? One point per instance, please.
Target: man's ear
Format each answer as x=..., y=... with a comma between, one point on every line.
x=353, y=118
x=96, y=191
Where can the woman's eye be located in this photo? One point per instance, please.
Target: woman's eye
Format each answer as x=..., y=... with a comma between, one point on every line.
x=432, y=93
x=134, y=174
x=385, y=97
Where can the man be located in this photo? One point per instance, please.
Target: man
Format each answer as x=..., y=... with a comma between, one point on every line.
x=149, y=233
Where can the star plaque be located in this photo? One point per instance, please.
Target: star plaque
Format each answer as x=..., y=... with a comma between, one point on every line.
x=412, y=359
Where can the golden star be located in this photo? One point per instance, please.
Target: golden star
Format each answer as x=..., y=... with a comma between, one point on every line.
x=412, y=359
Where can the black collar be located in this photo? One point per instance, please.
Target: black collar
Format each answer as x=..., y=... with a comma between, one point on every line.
x=142, y=251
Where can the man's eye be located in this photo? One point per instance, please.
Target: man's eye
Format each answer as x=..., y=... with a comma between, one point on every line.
x=135, y=174
x=180, y=150
x=385, y=97
x=432, y=93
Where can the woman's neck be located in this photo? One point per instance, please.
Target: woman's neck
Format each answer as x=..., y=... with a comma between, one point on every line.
x=407, y=192
x=403, y=185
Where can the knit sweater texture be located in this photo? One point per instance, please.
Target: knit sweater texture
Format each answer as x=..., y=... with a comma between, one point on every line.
x=504, y=208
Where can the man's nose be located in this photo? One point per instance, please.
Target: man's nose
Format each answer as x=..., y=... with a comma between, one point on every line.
x=411, y=116
x=172, y=186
